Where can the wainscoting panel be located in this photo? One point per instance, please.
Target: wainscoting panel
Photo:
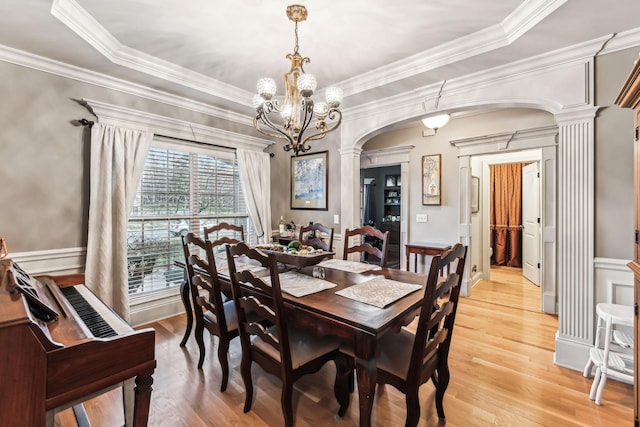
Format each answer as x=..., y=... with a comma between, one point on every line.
x=613, y=281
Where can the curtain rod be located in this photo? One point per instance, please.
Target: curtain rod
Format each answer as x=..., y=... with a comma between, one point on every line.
x=85, y=122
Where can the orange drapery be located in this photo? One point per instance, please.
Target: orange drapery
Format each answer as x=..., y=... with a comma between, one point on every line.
x=506, y=214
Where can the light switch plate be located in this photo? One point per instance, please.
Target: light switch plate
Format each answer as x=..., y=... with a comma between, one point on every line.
x=336, y=219
x=421, y=217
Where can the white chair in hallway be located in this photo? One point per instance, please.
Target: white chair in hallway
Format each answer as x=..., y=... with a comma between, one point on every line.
x=610, y=362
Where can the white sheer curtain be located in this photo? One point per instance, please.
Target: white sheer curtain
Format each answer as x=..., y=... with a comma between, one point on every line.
x=255, y=176
x=117, y=161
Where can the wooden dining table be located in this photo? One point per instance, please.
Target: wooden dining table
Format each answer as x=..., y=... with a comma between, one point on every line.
x=358, y=324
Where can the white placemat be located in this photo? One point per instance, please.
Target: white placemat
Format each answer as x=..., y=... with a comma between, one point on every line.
x=299, y=285
x=346, y=265
x=379, y=292
x=242, y=264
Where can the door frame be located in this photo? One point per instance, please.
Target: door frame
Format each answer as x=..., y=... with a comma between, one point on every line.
x=480, y=149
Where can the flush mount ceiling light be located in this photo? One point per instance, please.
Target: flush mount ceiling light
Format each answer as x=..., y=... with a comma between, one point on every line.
x=436, y=122
x=288, y=118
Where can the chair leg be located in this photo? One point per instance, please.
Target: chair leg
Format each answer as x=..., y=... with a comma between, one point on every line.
x=441, y=387
x=341, y=389
x=603, y=380
x=594, y=386
x=199, y=332
x=245, y=371
x=413, y=408
x=588, y=368
x=287, y=403
x=186, y=301
x=223, y=358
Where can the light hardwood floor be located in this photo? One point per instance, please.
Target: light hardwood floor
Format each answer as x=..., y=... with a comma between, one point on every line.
x=502, y=373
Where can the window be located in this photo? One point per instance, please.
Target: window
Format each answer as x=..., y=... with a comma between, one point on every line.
x=183, y=188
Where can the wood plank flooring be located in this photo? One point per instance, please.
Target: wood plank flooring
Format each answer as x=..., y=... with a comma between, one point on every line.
x=502, y=374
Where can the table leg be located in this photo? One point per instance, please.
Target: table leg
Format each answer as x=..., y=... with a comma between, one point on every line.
x=408, y=258
x=185, y=294
x=366, y=373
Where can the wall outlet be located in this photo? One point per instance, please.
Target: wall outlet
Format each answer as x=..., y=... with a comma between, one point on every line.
x=336, y=219
x=422, y=218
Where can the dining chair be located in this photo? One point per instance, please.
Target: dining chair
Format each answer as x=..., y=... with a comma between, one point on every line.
x=223, y=233
x=280, y=349
x=366, y=247
x=211, y=311
x=314, y=239
x=234, y=233
x=406, y=360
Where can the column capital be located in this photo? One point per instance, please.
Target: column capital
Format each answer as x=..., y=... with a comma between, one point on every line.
x=576, y=115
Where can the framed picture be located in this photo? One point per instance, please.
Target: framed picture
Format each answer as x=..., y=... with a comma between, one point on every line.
x=475, y=194
x=431, y=191
x=310, y=181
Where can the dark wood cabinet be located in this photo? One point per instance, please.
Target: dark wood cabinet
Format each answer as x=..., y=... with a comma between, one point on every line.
x=629, y=97
x=393, y=247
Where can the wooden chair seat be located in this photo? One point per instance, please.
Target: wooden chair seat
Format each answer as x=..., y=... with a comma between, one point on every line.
x=304, y=346
x=230, y=315
x=393, y=353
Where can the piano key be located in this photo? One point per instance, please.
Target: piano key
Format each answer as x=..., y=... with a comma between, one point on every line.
x=101, y=321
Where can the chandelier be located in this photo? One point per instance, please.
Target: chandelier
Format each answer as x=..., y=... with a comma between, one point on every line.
x=297, y=110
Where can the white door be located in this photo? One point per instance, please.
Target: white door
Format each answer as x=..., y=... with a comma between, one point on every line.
x=531, y=223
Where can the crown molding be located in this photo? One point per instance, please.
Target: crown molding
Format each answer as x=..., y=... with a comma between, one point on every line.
x=527, y=15
x=621, y=41
x=40, y=63
x=174, y=128
x=77, y=19
x=581, y=53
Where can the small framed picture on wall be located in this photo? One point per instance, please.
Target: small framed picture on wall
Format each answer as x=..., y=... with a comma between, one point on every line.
x=431, y=180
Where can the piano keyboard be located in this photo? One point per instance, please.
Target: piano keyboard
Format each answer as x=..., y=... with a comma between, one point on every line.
x=98, y=318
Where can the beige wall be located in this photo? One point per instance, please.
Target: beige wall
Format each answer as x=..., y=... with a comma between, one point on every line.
x=281, y=185
x=44, y=157
x=613, y=159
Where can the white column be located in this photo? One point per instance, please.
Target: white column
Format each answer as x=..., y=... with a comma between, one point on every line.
x=349, y=191
x=464, y=218
x=575, y=237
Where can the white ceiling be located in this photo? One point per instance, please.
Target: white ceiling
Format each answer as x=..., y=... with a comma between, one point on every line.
x=213, y=51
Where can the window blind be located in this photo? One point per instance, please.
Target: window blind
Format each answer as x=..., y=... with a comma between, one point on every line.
x=181, y=190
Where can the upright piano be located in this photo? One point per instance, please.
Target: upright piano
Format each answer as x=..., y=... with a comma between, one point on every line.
x=60, y=345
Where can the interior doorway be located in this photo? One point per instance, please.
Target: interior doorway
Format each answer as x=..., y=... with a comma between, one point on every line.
x=528, y=251
x=380, y=205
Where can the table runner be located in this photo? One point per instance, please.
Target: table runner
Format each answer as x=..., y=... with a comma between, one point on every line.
x=379, y=292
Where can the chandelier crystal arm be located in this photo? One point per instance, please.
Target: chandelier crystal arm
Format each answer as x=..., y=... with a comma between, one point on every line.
x=269, y=129
x=325, y=127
